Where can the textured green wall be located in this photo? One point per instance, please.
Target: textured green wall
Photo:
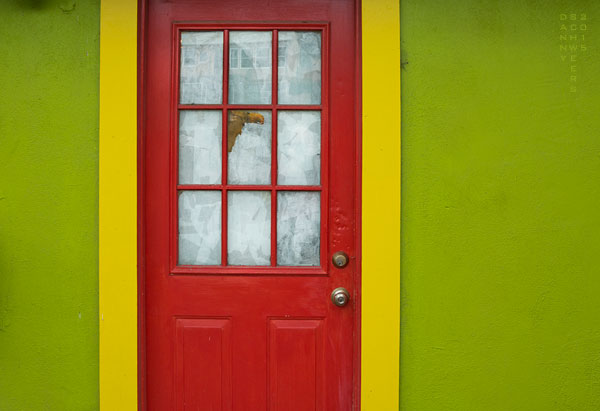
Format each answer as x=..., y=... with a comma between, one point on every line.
x=501, y=208
x=49, y=205
x=501, y=200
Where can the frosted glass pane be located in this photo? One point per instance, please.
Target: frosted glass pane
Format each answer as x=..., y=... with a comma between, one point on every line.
x=299, y=147
x=249, y=228
x=200, y=145
x=299, y=67
x=298, y=228
x=201, y=67
x=249, y=146
x=200, y=228
x=250, y=67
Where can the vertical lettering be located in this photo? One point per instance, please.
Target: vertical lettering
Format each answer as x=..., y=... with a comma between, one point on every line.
x=572, y=42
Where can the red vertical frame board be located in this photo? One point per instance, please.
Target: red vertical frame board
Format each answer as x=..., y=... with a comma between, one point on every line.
x=237, y=337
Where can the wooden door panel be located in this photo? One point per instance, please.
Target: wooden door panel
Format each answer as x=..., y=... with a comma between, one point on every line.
x=203, y=363
x=296, y=359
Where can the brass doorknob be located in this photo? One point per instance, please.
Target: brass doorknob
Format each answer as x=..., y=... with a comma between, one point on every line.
x=340, y=296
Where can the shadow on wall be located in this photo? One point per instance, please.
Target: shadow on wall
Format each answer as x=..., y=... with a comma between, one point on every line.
x=66, y=6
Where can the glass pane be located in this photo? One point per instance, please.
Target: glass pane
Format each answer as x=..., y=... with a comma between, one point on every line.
x=201, y=67
x=250, y=67
x=249, y=146
x=249, y=228
x=200, y=139
x=299, y=147
x=299, y=67
x=200, y=228
x=298, y=227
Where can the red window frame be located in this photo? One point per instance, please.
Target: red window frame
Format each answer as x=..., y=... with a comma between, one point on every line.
x=224, y=187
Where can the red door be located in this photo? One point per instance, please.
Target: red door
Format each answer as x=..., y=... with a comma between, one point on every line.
x=249, y=218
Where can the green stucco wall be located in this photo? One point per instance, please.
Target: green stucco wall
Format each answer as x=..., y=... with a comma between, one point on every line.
x=501, y=208
x=49, y=205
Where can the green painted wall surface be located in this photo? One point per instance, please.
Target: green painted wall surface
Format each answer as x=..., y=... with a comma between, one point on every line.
x=501, y=199
x=501, y=208
x=49, y=204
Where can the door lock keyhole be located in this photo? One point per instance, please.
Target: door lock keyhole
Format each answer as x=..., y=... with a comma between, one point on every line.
x=340, y=259
x=340, y=296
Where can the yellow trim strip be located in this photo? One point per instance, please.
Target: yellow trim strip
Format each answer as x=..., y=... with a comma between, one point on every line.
x=380, y=332
x=118, y=205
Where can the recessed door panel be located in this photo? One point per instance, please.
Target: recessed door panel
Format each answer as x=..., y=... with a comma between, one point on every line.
x=203, y=364
x=296, y=364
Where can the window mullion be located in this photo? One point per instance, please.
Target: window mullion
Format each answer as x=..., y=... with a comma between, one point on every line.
x=274, y=62
x=224, y=161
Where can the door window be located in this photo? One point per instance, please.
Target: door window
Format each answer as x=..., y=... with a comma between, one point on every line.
x=249, y=188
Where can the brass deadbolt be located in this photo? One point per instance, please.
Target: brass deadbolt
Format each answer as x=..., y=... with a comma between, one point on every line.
x=340, y=259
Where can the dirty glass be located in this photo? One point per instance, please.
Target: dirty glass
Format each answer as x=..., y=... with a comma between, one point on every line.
x=200, y=147
x=200, y=228
x=201, y=67
x=298, y=228
x=299, y=148
x=250, y=67
x=249, y=228
x=249, y=147
x=299, y=67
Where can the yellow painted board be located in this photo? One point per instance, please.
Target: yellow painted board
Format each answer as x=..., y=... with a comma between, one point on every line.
x=380, y=338
x=118, y=205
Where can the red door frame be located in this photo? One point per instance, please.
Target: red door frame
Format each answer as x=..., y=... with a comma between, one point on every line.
x=141, y=121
